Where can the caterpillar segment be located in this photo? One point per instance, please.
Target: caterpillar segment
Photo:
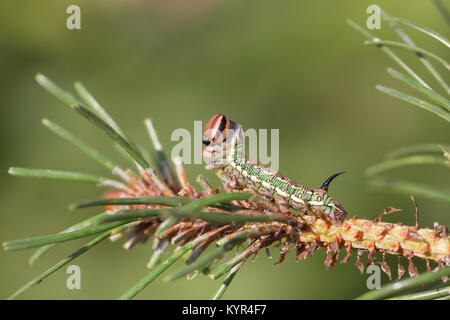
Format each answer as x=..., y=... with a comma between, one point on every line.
x=224, y=143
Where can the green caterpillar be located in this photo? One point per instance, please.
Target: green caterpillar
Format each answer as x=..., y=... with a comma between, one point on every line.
x=224, y=143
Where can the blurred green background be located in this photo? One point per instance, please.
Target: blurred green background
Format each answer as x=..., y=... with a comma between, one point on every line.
x=292, y=65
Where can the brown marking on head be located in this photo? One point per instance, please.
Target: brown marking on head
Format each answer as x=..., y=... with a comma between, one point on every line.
x=215, y=129
x=339, y=214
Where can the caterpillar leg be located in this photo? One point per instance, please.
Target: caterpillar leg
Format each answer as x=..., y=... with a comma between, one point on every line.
x=283, y=207
x=213, y=165
x=324, y=217
x=236, y=181
x=265, y=204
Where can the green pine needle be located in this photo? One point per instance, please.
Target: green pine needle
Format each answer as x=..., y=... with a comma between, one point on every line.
x=64, y=175
x=65, y=261
x=425, y=295
x=388, y=52
x=55, y=90
x=437, y=98
x=99, y=157
x=60, y=237
x=405, y=161
x=406, y=39
x=417, y=50
x=398, y=287
x=138, y=287
x=444, y=114
x=226, y=283
x=83, y=224
x=95, y=106
x=408, y=188
x=117, y=137
x=415, y=149
x=423, y=29
x=165, y=201
x=206, y=258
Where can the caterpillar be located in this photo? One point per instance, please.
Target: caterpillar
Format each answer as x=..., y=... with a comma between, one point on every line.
x=224, y=149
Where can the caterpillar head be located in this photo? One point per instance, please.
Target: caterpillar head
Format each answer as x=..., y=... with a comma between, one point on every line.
x=216, y=129
x=221, y=138
x=339, y=213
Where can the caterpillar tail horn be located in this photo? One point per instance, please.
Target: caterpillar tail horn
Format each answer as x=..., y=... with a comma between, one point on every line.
x=328, y=181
